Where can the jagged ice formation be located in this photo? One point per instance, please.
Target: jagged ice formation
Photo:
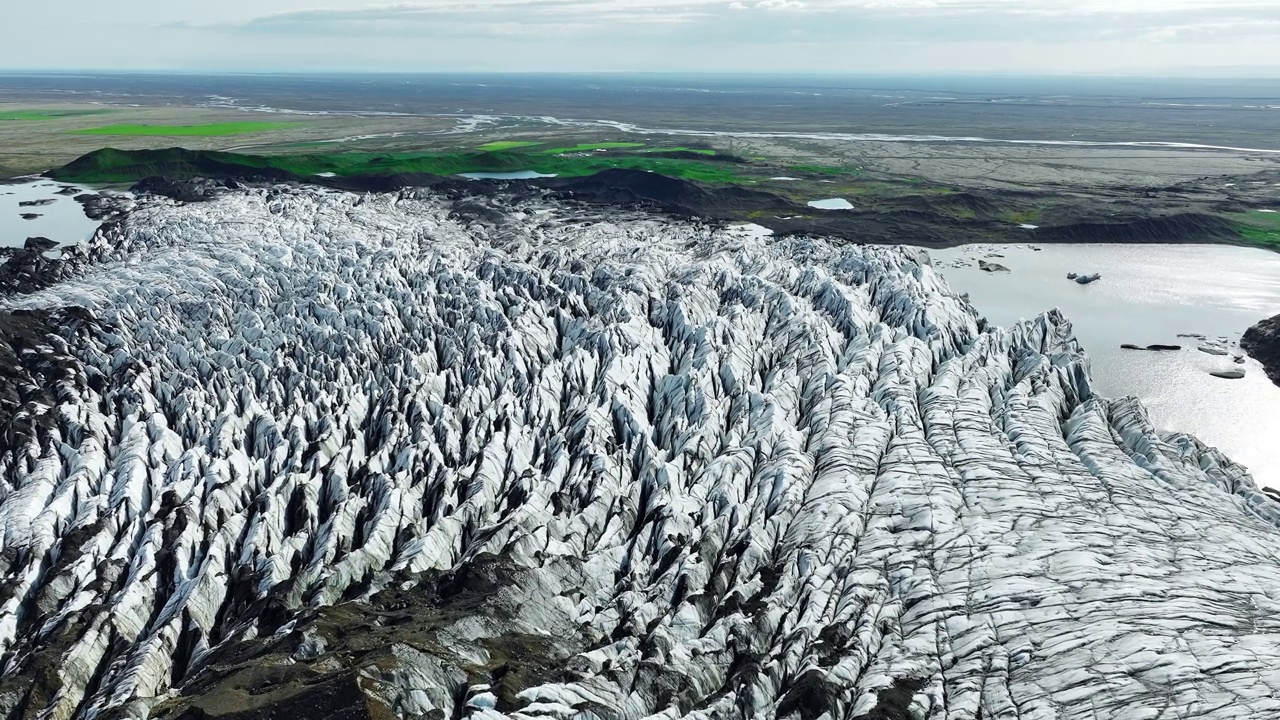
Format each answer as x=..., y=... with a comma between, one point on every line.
x=727, y=476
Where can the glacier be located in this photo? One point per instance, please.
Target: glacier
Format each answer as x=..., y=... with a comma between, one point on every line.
x=500, y=457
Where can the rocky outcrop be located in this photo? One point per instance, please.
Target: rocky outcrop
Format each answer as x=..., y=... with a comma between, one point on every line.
x=105, y=206
x=1262, y=342
x=1176, y=227
x=292, y=452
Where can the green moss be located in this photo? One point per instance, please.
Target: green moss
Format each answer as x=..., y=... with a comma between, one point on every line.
x=673, y=167
x=825, y=170
x=1257, y=227
x=507, y=145
x=1268, y=238
x=1021, y=217
x=207, y=130
x=587, y=147
x=1260, y=219
x=699, y=151
x=126, y=166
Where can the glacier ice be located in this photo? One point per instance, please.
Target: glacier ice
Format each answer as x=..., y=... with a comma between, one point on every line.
x=733, y=476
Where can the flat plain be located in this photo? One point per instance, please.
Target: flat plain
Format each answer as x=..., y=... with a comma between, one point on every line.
x=938, y=160
x=222, y=129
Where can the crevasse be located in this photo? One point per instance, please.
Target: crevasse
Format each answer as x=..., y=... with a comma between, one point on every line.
x=728, y=476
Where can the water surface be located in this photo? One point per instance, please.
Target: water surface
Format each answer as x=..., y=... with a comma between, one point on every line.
x=62, y=220
x=831, y=204
x=519, y=175
x=1150, y=294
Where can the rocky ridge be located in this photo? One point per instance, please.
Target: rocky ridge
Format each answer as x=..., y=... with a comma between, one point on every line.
x=288, y=450
x=1262, y=341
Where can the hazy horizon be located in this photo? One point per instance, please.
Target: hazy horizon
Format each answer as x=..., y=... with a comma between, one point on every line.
x=1029, y=37
x=1259, y=73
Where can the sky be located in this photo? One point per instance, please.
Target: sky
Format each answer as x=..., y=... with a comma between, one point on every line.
x=1150, y=37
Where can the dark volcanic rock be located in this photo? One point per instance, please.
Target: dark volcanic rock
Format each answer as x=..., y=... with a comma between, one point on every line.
x=168, y=163
x=39, y=244
x=37, y=370
x=344, y=661
x=36, y=203
x=26, y=269
x=673, y=195
x=288, y=692
x=960, y=216
x=1262, y=342
x=104, y=206
x=194, y=190
x=29, y=216
x=992, y=267
x=1184, y=227
x=1153, y=348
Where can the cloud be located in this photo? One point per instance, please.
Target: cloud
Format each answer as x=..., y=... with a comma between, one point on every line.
x=502, y=17
x=780, y=5
x=1225, y=27
x=646, y=28
x=1151, y=14
x=667, y=35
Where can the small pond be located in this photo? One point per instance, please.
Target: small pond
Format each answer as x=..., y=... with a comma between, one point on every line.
x=831, y=204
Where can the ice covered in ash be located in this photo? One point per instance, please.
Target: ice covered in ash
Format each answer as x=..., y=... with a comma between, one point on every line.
x=733, y=476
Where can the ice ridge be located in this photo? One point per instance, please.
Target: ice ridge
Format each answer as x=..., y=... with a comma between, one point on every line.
x=729, y=476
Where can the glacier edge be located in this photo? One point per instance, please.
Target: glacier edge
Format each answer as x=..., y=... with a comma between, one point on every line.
x=715, y=476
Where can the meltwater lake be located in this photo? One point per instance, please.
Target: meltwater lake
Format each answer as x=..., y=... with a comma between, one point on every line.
x=57, y=217
x=1150, y=294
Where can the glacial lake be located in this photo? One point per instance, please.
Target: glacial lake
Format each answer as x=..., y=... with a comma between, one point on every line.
x=518, y=175
x=1150, y=294
x=831, y=204
x=62, y=220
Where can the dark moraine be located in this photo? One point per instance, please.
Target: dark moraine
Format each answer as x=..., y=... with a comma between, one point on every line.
x=1262, y=341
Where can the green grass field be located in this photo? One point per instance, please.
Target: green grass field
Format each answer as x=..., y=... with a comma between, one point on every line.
x=588, y=147
x=826, y=170
x=208, y=130
x=698, y=151
x=1260, y=228
x=37, y=115
x=500, y=145
x=1021, y=217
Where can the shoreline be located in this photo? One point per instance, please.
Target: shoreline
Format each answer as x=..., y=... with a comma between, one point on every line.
x=883, y=210
x=626, y=189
